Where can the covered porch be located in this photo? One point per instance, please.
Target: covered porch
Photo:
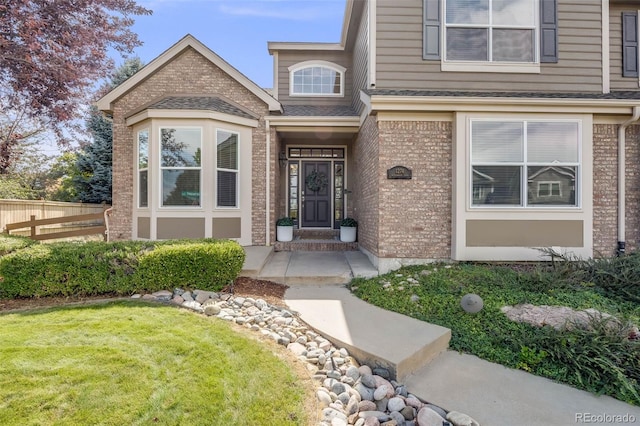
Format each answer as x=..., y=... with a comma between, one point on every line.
x=314, y=176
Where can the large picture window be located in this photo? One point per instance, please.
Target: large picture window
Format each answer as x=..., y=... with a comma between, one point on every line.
x=491, y=30
x=143, y=168
x=227, y=169
x=180, y=166
x=525, y=163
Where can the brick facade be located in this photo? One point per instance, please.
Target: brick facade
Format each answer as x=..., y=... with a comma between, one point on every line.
x=187, y=73
x=415, y=214
x=605, y=189
x=366, y=194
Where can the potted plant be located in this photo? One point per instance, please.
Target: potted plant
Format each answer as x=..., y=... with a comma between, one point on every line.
x=348, y=228
x=284, y=229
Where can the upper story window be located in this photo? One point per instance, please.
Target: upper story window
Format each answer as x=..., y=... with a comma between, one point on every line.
x=316, y=78
x=491, y=30
x=491, y=35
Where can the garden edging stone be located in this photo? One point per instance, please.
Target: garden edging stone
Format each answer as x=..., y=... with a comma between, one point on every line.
x=349, y=393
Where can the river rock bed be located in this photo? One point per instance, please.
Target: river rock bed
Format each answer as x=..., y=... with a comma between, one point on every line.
x=348, y=393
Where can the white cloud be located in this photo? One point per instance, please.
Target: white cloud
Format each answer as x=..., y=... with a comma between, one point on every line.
x=278, y=9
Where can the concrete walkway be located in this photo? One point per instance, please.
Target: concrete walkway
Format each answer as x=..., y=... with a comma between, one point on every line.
x=416, y=351
x=306, y=267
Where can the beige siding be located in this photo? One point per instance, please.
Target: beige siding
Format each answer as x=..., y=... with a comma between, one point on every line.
x=400, y=64
x=360, y=73
x=288, y=58
x=618, y=82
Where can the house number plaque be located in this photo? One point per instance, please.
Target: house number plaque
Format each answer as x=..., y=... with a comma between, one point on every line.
x=399, y=172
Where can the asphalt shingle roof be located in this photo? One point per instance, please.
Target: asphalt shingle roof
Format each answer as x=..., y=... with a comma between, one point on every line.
x=319, y=111
x=208, y=103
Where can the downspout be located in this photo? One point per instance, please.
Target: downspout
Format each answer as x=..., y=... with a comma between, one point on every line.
x=268, y=187
x=622, y=180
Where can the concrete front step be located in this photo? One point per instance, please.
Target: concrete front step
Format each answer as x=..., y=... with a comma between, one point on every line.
x=372, y=335
x=308, y=268
x=314, y=245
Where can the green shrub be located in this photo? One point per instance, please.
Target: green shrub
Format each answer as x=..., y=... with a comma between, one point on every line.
x=119, y=268
x=617, y=276
x=284, y=221
x=205, y=266
x=11, y=243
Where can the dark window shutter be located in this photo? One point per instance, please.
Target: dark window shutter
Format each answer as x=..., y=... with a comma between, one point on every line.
x=548, y=31
x=629, y=44
x=431, y=36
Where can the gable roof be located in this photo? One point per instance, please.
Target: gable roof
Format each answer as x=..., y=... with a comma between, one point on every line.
x=106, y=102
x=207, y=103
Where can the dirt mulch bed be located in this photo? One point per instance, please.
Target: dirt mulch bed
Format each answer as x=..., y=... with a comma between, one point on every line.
x=271, y=292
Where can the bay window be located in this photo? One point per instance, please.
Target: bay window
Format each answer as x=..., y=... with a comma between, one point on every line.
x=180, y=166
x=143, y=168
x=525, y=163
x=227, y=169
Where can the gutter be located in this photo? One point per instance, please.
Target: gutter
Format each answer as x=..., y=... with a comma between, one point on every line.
x=268, y=186
x=622, y=180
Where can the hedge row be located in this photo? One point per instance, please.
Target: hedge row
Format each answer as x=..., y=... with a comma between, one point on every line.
x=119, y=268
x=11, y=243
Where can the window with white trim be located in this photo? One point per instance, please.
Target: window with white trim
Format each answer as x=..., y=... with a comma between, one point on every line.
x=491, y=30
x=180, y=166
x=143, y=168
x=316, y=78
x=525, y=163
x=227, y=168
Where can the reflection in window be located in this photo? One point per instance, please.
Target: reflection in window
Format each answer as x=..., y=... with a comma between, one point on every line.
x=491, y=31
x=180, y=164
x=143, y=168
x=338, y=191
x=293, y=190
x=227, y=168
x=524, y=163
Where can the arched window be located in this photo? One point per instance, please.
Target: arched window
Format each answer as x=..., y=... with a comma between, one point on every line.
x=316, y=78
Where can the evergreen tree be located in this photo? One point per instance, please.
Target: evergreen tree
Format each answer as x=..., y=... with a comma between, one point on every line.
x=94, y=161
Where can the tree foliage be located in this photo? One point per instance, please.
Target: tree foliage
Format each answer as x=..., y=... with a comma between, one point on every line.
x=94, y=162
x=51, y=52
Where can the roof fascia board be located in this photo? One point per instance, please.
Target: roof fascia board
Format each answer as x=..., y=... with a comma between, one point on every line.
x=105, y=103
x=316, y=130
x=437, y=103
x=286, y=45
x=319, y=121
x=189, y=114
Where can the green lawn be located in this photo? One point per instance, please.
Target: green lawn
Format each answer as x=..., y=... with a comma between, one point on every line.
x=601, y=361
x=134, y=363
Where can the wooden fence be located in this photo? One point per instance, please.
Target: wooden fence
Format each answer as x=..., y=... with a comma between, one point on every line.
x=54, y=219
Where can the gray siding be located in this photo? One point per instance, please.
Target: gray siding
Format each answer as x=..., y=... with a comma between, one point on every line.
x=360, y=73
x=400, y=65
x=618, y=82
x=292, y=57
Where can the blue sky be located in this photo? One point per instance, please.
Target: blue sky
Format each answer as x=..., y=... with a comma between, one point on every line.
x=238, y=30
